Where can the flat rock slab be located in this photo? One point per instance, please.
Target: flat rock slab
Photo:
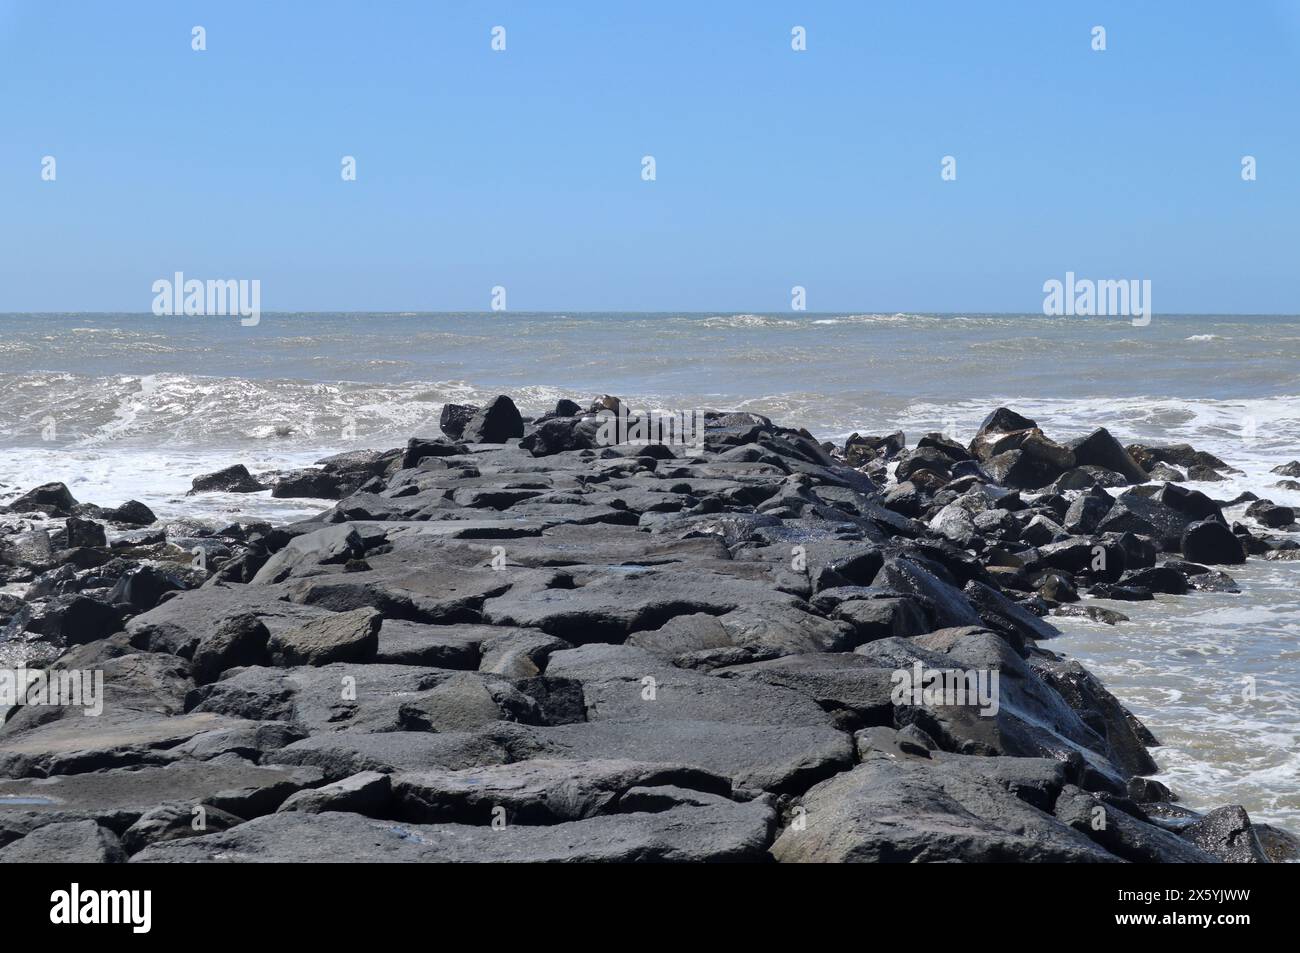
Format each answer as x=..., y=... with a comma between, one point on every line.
x=611, y=607
x=757, y=757
x=342, y=754
x=887, y=811
x=187, y=617
x=568, y=545
x=69, y=842
x=437, y=646
x=333, y=697
x=437, y=594
x=539, y=791
x=342, y=637
x=720, y=832
x=118, y=797
x=85, y=744
x=834, y=681
x=625, y=683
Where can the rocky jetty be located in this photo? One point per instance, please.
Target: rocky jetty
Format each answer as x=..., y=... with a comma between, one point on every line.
x=518, y=642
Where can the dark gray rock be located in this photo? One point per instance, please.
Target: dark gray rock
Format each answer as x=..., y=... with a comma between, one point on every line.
x=72, y=842
x=945, y=603
x=1123, y=835
x=367, y=792
x=966, y=810
x=306, y=553
x=76, y=619
x=1164, y=579
x=1270, y=514
x=342, y=637
x=119, y=797
x=1012, y=621
x=1100, y=449
x=496, y=422
x=418, y=449
x=720, y=831
x=310, y=483
x=233, y=479
x=52, y=498
x=1209, y=541
x=79, y=532
x=995, y=427
x=1228, y=834
x=882, y=618
x=178, y=624
x=1144, y=516
x=538, y=791
x=454, y=418
x=1087, y=511
x=174, y=821
x=238, y=641
x=143, y=588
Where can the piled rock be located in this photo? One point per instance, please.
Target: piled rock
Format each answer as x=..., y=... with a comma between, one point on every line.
x=516, y=643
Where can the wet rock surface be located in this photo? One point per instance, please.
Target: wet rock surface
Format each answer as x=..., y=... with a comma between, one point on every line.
x=516, y=642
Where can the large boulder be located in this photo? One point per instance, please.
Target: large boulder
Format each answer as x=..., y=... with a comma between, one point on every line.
x=561, y=434
x=1018, y=470
x=1228, y=834
x=1087, y=511
x=496, y=422
x=1211, y=542
x=52, y=498
x=992, y=436
x=538, y=791
x=1146, y=516
x=1100, y=449
x=75, y=619
x=130, y=513
x=238, y=641
x=454, y=418
x=233, y=479
x=143, y=588
x=309, y=483
x=1270, y=514
x=962, y=809
x=80, y=532
x=944, y=602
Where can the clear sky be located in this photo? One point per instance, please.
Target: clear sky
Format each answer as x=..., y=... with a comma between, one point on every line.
x=774, y=167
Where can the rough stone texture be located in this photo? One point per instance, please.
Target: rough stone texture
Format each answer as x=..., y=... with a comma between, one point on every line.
x=1227, y=833
x=516, y=643
x=71, y=842
x=908, y=811
x=344, y=637
x=719, y=831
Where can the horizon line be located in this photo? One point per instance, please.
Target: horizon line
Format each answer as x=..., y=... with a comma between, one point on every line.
x=710, y=311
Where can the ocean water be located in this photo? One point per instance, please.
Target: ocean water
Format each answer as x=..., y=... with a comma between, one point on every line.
x=133, y=406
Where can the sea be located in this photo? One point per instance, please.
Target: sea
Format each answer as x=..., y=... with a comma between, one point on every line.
x=127, y=406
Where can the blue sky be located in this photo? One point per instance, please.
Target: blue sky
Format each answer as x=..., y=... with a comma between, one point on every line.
x=775, y=168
